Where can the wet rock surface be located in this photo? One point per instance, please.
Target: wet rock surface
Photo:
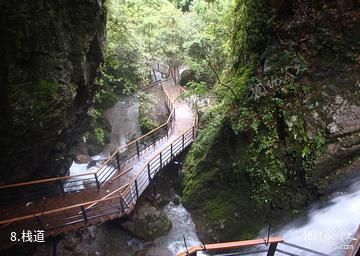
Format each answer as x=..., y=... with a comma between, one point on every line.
x=50, y=52
x=147, y=222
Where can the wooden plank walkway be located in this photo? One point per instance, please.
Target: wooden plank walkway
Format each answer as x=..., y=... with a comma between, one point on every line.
x=115, y=198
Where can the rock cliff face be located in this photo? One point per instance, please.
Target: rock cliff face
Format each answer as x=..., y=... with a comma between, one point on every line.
x=50, y=52
x=295, y=131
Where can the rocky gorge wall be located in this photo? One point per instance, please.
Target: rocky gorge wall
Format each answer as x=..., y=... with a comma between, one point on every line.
x=294, y=131
x=50, y=53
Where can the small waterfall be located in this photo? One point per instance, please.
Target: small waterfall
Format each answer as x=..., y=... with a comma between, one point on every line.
x=327, y=228
x=182, y=225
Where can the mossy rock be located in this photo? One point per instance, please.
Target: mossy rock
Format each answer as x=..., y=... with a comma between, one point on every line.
x=148, y=222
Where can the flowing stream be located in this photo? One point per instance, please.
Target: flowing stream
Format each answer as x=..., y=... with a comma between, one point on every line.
x=328, y=228
x=325, y=227
x=124, y=120
x=182, y=225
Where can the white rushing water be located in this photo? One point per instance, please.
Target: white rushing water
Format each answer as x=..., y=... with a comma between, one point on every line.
x=124, y=121
x=325, y=228
x=75, y=184
x=182, y=225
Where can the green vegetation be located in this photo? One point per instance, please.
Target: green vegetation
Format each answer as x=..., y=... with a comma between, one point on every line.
x=146, y=106
x=259, y=140
x=258, y=128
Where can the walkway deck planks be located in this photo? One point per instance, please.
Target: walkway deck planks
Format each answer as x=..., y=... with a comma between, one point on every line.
x=55, y=210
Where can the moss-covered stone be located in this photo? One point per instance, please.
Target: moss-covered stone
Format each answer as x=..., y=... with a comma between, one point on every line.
x=148, y=222
x=293, y=126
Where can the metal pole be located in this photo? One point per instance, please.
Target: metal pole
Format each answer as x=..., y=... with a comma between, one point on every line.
x=171, y=151
x=154, y=75
x=137, y=189
x=183, y=141
x=84, y=213
x=160, y=160
x=97, y=181
x=148, y=168
x=122, y=204
x=118, y=160
x=268, y=236
x=186, y=248
x=272, y=249
x=137, y=148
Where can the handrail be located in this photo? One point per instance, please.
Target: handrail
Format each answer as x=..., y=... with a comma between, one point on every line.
x=170, y=104
x=108, y=195
x=21, y=184
x=127, y=189
x=122, y=203
x=41, y=214
x=230, y=245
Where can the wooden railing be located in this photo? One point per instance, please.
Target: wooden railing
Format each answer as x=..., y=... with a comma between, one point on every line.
x=33, y=190
x=115, y=204
x=267, y=245
x=119, y=203
x=231, y=246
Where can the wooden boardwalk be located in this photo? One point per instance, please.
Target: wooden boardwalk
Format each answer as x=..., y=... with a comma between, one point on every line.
x=106, y=198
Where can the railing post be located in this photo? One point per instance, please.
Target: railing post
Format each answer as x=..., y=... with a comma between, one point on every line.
x=118, y=160
x=272, y=249
x=149, y=174
x=193, y=132
x=171, y=151
x=84, y=213
x=183, y=141
x=160, y=160
x=122, y=204
x=137, y=189
x=97, y=181
x=137, y=148
x=154, y=75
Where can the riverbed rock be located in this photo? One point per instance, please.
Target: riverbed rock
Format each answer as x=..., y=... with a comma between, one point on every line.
x=92, y=163
x=148, y=222
x=82, y=159
x=50, y=53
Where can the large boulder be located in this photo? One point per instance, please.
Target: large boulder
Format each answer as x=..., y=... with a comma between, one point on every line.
x=148, y=222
